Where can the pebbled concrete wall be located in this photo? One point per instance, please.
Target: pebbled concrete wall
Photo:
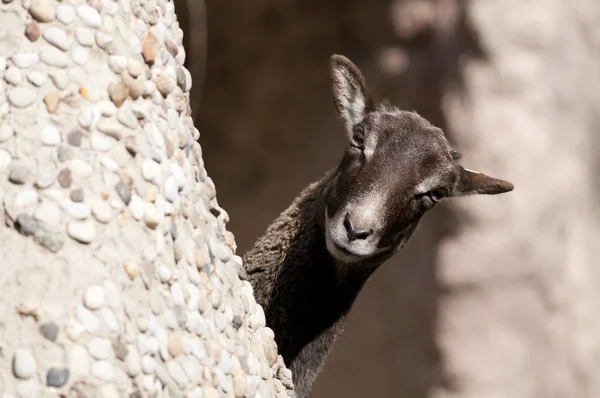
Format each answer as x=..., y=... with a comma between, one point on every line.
x=118, y=277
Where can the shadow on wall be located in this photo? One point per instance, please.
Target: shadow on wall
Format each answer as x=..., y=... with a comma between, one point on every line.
x=268, y=128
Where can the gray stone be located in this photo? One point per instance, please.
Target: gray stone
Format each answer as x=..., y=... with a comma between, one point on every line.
x=65, y=13
x=42, y=10
x=57, y=377
x=49, y=330
x=82, y=231
x=25, y=224
x=77, y=195
x=25, y=60
x=57, y=37
x=89, y=16
x=24, y=364
x=65, y=178
x=74, y=138
x=22, y=97
x=124, y=191
x=51, y=240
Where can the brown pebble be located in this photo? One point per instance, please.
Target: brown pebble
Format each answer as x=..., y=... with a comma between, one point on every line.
x=52, y=100
x=32, y=31
x=149, y=48
x=65, y=179
x=118, y=93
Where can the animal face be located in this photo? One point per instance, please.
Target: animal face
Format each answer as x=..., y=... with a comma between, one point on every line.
x=396, y=167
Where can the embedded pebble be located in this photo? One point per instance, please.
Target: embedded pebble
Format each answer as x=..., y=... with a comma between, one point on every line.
x=171, y=191
x=24, y=364
x=84, y=36
x=57, y=37
x=89, y=16
x=117, y=63
x=37, y=78
x=94, y=297
x=65, y=178
x=80, y=55
x=79, y=361
x=2, y=63
x=49, y=135
x=148, y=364
x=6, y=132
x=49, y=330
x=103, y=40
x=177, y=373
x=111, y=128
x=48, y=214
x=151, y=216
x=42, y=10
x=124, y=192
x=81, y=168
x=65, y=13
x=118, y=93
x=26, y=389
x=100, y=348
x=100, y=142
x=88, y=320
x=52, y=100
x=76, y=195
x=74, y=138
x=136, y=206
x=103, y=370
x=54, y=57
x=82, y=231
x=151, y=171
x=101, y=210
x=57, y=377
x=133, y=363
x=22, y=97
x=13, y=76
x=32, y=31
x=79, y=211
x=19, y=173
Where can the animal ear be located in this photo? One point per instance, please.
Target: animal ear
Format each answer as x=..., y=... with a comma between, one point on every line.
x=350, y=93
x=473, y=182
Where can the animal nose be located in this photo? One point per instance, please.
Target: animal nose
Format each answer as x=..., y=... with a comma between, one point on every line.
x=352, y=233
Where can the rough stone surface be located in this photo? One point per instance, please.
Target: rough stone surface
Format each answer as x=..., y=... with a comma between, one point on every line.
x=101, y=181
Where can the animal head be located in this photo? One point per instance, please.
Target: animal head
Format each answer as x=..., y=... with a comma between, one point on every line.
x=396, y=167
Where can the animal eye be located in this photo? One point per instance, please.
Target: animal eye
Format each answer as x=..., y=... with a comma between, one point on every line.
x=436, y=194
x=358, y=138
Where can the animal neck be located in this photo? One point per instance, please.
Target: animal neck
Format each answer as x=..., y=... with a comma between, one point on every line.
x=304, y=291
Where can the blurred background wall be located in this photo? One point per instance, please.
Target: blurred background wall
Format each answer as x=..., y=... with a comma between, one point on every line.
x=494, y=296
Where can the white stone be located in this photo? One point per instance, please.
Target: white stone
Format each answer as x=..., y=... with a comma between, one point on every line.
x=89, y=16
x=101, y=210
x=171, y=191
x=136, y=207
x=109, y=164
x=24, y=365
x=88, y=320
x=13, y=76
x=25, y=60
x=25, y=389
x=84, y=36
x=108, y=391
x=103, y=370
x=103, y=40
x=36, y=78
x=100, y=142
x=100, y=348
x=177, y=373
x=79, y=361
x=5, y=159
x=117, y=63
x=107, y=108
x=148, y=364
x=59, y=78
x=80, y=55
x=133, y=362
x=82, y=231
x=94, y=298
x=6, y=132
x=2, y=64
x=151, y=216
x=165, y=274
x=65, y=13
x=49, y=135
x=88, y=118
x=57, y=37
x=48, y=214
x=135, y=45
x=110, y=320
x=54, y=57
x=179, y=175
x=74, y=329
x=77, y=210
x=22, y=97
x=25, y=198
x=151, y=171
x=81, y=168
